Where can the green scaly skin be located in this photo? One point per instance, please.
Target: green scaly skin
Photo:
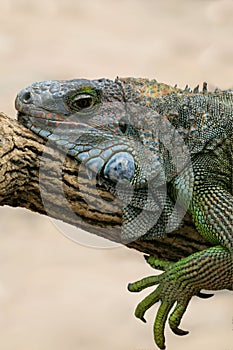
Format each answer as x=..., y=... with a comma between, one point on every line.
x=202, y=120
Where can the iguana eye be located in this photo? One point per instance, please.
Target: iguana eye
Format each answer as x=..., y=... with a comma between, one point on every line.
x=83, y=99
x=81, y=102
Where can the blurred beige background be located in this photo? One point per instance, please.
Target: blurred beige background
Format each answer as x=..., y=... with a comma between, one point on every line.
x=58, y=295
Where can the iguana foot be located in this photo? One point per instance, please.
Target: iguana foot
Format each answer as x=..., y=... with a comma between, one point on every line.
x=178, y=283
x=172, y=289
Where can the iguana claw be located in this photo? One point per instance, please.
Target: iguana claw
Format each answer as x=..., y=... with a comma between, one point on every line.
x=204, y=295
x=169, y=291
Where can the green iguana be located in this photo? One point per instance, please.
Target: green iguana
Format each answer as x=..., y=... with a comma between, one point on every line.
x=162, y=150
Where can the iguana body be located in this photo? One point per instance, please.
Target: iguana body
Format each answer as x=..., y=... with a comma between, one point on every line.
x=162, y=150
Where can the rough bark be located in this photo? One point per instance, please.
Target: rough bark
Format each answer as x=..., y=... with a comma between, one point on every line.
x=36, y=176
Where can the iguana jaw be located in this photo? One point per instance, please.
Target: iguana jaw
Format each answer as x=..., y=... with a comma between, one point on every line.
x=47, y=119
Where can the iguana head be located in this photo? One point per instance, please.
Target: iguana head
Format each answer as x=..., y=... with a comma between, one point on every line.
x=122, y=141
x=96, y=125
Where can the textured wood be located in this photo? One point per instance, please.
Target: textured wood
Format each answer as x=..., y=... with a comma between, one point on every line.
x=40, y=178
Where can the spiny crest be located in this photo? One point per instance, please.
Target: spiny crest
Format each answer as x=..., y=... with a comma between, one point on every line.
x=196, y=89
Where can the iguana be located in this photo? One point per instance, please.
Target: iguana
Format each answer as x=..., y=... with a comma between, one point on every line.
x=162, y=150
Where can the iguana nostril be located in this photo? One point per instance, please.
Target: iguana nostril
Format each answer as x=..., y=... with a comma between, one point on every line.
x=26, y=97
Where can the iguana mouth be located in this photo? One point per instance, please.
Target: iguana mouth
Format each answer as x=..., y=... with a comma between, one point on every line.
x=27, y=119
x=24, y=119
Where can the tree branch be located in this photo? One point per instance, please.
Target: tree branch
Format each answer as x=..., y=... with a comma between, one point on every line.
x=39, y=177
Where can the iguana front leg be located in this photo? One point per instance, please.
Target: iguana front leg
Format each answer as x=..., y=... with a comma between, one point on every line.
x=211, y=269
